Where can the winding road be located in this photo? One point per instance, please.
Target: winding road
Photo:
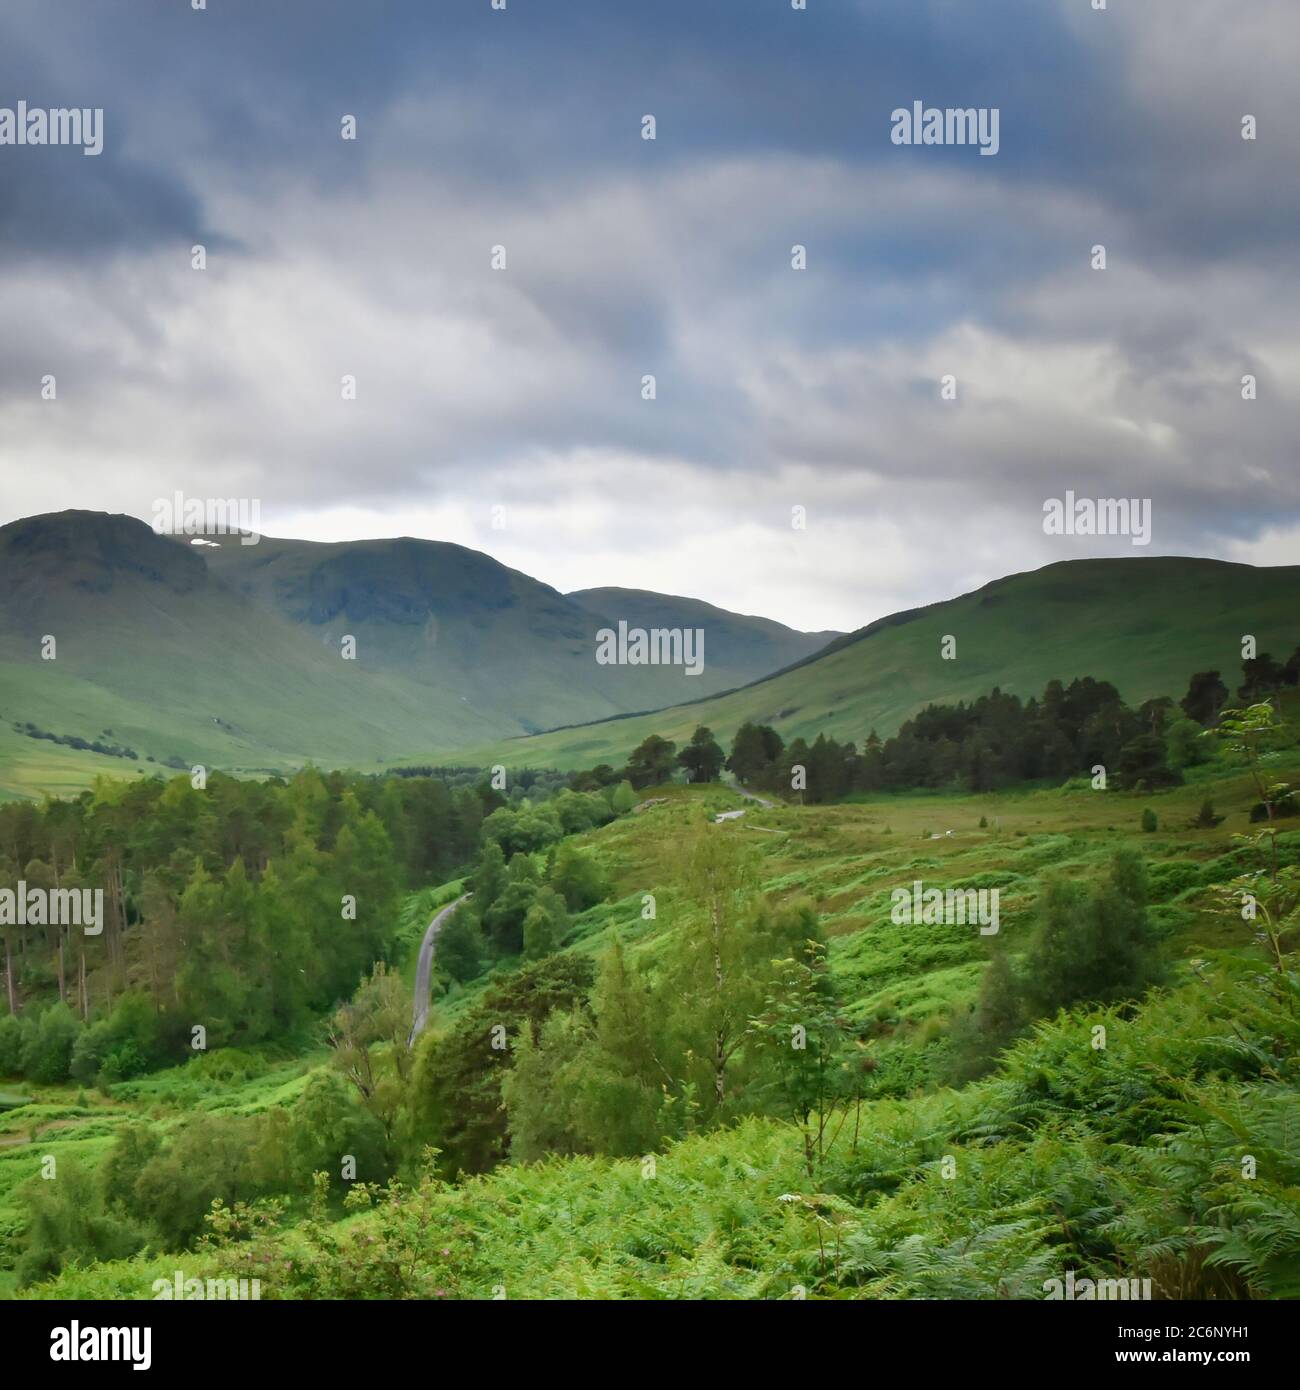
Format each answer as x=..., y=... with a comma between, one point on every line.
x=424, y=968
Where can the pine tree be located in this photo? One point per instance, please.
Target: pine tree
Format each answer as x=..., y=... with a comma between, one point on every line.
x=702, y=757
x=489, y=877
x=651, y=762
x=460, y=950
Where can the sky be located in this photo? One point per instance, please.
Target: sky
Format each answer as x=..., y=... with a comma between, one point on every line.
x=801, y=457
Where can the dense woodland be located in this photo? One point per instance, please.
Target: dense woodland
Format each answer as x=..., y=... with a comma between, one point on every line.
x=233, y=894
x=248, y=908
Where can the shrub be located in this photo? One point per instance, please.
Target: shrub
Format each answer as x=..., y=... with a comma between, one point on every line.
x=578, y=879
x=11, y=1046
x=1171, y=879
x=1095, y=945
x=67, y=1224
x=47, y=1055
x=88, y=1054
x=461, y=949
x=228, y=1066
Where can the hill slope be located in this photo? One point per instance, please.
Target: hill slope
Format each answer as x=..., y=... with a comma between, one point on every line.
x=736, y=645
x=229, y=655
x=735, y=1212
x=153, y=654
x=516, y=649
x=1144, y=624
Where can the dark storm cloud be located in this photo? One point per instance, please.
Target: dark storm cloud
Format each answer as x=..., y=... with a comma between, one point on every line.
x=669, y=257
x=58, y=202
x=541, y=92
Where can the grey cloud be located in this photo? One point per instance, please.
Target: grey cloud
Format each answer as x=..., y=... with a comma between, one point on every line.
x=669, y=258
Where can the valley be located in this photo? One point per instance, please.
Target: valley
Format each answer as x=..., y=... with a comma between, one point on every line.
x=745, y=1208
x=596, y=1019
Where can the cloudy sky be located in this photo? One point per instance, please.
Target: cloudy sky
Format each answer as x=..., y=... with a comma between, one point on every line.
x=520, y=390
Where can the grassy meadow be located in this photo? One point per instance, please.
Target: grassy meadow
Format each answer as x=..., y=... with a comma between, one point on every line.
x=1063, y=1156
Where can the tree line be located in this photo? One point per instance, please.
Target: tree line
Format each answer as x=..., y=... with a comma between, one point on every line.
x=988, y=744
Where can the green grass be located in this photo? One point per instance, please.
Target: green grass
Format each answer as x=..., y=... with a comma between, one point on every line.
x=847, y=858
x=32, y=768
x=712, y=1221
x=1145, y=625
x=231, y=657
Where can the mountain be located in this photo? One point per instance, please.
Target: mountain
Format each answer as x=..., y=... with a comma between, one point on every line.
x=736, y=646
x=230, y=655
x=154, y=654
x=518, y=651
x=1144, y=624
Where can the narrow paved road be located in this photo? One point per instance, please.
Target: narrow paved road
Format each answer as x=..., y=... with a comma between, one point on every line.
x=424, y=967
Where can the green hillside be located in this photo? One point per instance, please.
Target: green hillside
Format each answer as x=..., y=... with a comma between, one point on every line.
x=1121, y=1160
x=230, y=655
x=511, y=651
x=154, y=656
x=736, y=645
x=1145, y=625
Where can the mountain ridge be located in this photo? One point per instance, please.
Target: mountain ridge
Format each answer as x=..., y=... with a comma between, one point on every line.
x=231, y=655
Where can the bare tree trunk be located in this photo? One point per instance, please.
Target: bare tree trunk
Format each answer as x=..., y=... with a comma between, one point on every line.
x=119, y=926
x=151, y=930
x=62, y=930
